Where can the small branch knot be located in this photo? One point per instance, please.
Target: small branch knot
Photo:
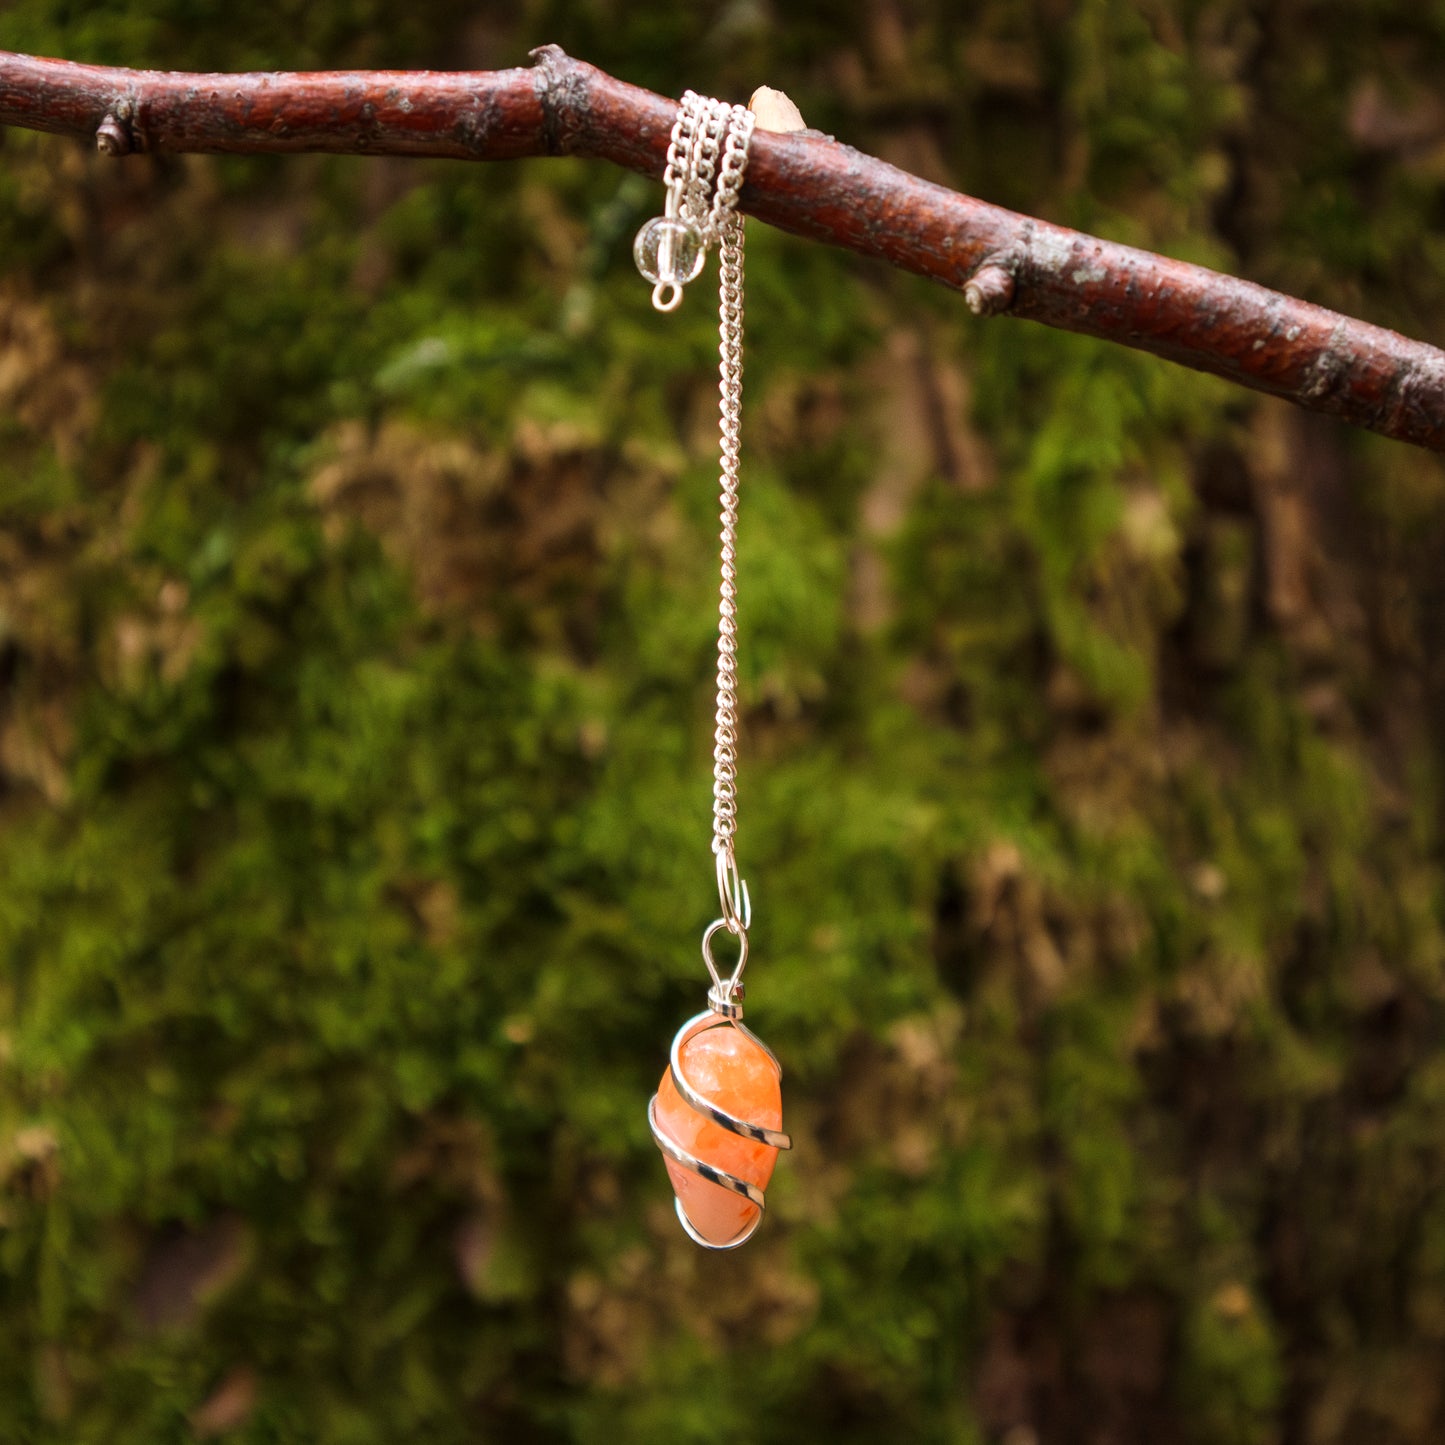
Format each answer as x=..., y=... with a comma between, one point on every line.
x=990, y=290
x=113, y=137
x=562, y=92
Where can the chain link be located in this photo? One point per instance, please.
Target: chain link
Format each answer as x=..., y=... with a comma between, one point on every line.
x=705, y=134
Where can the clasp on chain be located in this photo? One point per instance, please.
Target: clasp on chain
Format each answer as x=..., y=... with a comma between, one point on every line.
x=732, y=890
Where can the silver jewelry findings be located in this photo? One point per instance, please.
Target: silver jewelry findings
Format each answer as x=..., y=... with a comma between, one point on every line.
x=717, y=1114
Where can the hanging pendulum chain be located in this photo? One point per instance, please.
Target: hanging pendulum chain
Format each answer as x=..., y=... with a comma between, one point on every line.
x=706, y=158
x=732, y=891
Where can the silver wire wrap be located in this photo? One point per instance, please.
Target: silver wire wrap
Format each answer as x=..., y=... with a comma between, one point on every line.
x=773, y=1137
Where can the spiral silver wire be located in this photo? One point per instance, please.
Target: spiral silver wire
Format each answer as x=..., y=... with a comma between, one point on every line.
x=774, y=1138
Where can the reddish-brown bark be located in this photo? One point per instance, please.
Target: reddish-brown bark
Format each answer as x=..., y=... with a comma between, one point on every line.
x=801, y=182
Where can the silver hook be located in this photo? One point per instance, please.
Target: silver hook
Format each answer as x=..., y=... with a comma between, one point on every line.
x=732, y=892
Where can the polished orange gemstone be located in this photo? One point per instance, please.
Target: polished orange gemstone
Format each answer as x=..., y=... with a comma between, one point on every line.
x=733, y=1071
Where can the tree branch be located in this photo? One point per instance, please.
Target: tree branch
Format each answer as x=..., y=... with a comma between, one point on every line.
x=801, y=182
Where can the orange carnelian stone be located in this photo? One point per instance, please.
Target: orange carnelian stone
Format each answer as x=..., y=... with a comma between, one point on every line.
x=731, y=1070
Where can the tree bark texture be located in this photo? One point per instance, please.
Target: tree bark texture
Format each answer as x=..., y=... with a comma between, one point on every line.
x=803, y=183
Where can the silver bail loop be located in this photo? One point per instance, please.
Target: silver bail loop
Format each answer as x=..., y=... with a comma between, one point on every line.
x=726, y=994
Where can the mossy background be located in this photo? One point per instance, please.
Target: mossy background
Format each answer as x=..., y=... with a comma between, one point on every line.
x=356, y=613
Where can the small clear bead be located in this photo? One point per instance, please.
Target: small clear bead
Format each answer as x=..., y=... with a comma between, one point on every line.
x=668, y=252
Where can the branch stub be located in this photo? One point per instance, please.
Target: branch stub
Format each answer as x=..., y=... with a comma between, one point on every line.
x=112, y=138
x=990, y=290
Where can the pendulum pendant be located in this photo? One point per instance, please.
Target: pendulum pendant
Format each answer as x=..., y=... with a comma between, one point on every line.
x=717, y=1114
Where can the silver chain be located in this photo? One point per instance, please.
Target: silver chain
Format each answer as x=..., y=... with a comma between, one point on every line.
x=730, y=401
x=707, y=156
